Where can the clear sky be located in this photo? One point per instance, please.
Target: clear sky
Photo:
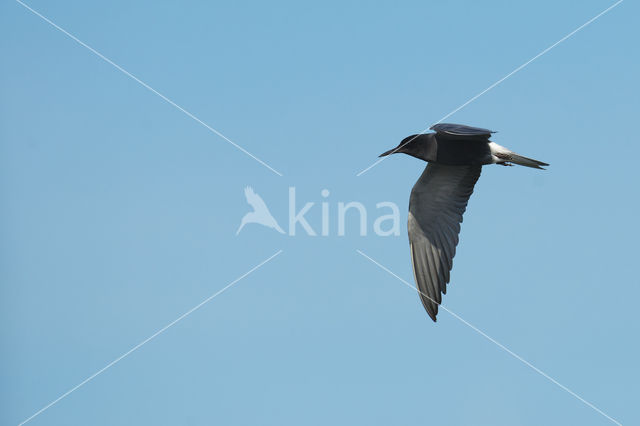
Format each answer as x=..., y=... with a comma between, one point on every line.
x=119, y=213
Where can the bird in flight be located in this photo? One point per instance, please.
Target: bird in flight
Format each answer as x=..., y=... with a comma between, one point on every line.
x=260, y=213
x=455, y=155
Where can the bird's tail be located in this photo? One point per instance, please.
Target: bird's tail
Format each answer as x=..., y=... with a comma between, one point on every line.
x=525, y=161
x=504, y=156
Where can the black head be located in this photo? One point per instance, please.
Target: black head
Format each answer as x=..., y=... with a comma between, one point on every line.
x=421, y=146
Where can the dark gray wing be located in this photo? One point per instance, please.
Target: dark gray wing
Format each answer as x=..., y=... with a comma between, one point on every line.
x=437, y=203
x=461, y=131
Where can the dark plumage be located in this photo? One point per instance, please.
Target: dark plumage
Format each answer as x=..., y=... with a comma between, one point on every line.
x=456, y=154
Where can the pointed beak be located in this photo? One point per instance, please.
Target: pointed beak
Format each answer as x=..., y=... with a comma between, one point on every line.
x=391, y=151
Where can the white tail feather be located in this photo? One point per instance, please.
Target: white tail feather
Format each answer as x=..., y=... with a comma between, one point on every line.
x=502, y=155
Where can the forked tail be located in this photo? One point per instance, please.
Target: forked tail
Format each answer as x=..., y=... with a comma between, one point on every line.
x=502, y=155
x=525, y=161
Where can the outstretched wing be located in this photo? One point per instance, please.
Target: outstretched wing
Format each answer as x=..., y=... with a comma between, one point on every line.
x=437, y=203
x=255, y=200
x=460, y=131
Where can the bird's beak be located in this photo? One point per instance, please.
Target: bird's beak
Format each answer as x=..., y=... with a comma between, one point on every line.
x=391, y=151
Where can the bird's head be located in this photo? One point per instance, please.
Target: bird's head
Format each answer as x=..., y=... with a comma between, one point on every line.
x=423, y=146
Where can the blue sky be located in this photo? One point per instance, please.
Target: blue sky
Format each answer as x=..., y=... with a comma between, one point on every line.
x=119, y=214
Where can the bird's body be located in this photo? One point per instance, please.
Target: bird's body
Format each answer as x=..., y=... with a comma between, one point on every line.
x=455, y=154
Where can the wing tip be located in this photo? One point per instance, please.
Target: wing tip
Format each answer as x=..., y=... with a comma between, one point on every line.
x=429, y=305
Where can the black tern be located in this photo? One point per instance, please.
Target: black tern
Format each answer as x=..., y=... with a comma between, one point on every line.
x=455, y=155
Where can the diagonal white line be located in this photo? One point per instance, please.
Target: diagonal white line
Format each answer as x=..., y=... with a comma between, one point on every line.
x=146, y=86
x=148, y=339
x=380, y=160
x=494, y=341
